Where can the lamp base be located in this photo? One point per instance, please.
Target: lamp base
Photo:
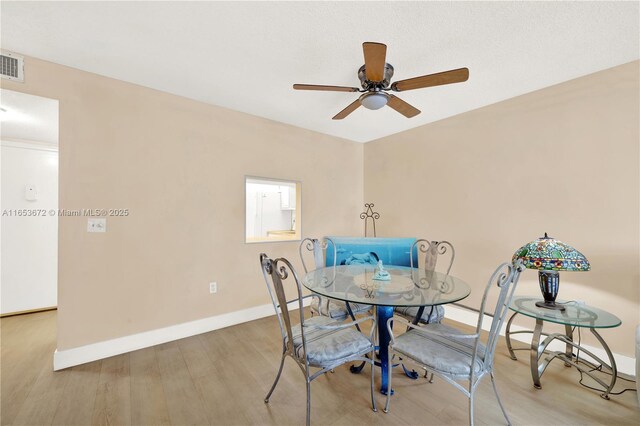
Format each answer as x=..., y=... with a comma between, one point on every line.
x=550, y=305
x=549, y=283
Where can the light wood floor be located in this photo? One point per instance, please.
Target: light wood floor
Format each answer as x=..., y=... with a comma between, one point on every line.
x=221, y=378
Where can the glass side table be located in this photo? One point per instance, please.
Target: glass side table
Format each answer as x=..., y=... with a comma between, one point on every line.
x=575, y=315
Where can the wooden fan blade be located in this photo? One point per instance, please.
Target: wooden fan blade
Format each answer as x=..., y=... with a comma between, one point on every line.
x=328, y=88
x=375, y=55
x=348, y=110
x=402, y=107
x=438, y=79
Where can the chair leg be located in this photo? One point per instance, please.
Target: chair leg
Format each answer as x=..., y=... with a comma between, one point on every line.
x=389, y=369
x=471, y=408
x=308, y=402
x=373, y=369
x=266, y=399
x=426, y=375
x=495, y=389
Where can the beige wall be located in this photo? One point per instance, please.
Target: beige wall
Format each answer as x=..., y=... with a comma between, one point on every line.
x=562, y=160
x=179, y=166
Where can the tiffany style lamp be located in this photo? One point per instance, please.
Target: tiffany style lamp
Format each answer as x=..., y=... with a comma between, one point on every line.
x=549, y=256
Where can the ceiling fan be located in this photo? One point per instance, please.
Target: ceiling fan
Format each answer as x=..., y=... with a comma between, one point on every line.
x=375, y=79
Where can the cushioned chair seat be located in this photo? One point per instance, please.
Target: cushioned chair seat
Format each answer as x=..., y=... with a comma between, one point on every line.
x=411, y=311
x=326, y=347
x=448, y=354
x=337, y=309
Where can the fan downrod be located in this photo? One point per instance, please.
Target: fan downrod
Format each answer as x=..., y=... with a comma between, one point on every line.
x=384, y=84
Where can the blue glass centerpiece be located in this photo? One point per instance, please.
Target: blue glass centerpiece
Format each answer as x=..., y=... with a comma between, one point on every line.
x=381, y=274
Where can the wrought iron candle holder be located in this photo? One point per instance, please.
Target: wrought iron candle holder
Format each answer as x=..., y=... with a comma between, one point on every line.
x=367, y=215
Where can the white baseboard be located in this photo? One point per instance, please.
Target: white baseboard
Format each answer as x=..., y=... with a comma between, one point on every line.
x=95, y=351
x=625, y=364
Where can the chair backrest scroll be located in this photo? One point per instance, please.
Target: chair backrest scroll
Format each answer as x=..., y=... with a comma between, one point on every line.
x=505, y=279
x=275, y=272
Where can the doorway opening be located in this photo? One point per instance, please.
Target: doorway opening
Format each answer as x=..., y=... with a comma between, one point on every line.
x=28, y=203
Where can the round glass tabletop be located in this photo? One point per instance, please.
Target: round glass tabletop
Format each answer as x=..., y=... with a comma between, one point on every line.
x=407, y=286
x=578, y=315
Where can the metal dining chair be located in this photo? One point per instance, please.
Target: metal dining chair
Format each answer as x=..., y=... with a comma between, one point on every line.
x=432, y=251
x=317, y=342
x=336, y=309
x=452, y=354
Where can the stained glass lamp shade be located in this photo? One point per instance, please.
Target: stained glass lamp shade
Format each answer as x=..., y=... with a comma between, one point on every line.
x=549, y=256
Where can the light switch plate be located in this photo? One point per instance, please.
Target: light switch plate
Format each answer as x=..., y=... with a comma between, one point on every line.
x=97, y=225
x=30, y=193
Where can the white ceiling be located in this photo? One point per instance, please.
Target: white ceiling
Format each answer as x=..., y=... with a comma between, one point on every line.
x=28, y=117
x=246, y=55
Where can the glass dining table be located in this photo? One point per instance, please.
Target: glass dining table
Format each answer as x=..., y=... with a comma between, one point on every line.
x=406, y=287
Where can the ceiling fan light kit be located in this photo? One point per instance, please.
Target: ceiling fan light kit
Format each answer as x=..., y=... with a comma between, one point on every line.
x=374, y=100
x=375, y=79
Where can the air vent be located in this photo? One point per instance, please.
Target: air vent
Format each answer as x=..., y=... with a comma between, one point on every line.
x=12, y=67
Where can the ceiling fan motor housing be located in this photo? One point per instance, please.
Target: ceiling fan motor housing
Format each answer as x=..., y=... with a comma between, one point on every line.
x=366, y=84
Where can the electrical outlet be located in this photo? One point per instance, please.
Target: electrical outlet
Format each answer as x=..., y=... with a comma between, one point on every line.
x=213, y=288
x=97, y=225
